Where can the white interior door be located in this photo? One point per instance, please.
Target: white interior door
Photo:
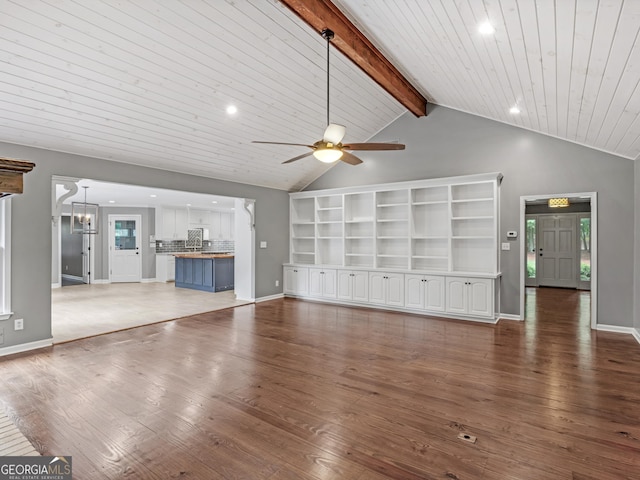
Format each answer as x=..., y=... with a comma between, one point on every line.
x=125, y=259
x=88, y=258
x=557, y=250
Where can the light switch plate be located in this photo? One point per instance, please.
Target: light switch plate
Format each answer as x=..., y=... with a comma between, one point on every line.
x=512, y=234
x=506, y=246
x=263, y=244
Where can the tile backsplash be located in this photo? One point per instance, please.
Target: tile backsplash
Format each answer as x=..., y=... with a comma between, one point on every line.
x=171, y=246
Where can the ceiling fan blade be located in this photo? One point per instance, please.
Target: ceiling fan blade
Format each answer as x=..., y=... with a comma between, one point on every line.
x=297, y=158
x=374, y=146
x=350, y=159
x=334, y=133
x=282, y=143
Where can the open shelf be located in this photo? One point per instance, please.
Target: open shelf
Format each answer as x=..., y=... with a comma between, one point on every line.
x=431, y=225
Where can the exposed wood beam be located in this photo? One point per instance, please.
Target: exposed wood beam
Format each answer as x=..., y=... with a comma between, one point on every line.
x=11, y=172
x=321, y=14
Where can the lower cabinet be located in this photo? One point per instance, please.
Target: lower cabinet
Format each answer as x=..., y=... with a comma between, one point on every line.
x=207, y=274
x=353, y=285
x=425, y=292
x=322, y=282
x=470, y=296
x=457, y=297
x=296, y=280
x=165, y=268
x=386, y=288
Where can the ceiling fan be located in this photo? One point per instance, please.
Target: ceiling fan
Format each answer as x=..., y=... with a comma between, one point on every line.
x=331, y=149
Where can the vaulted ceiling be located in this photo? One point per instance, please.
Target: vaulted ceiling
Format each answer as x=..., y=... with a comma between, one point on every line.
x=148, y=82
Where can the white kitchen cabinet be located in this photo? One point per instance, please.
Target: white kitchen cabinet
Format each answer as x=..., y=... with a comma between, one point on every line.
x=165, y=268
x=296, y=280
x=425, y=292
x=386, y=288
x=353, y=285
x=322, y=282
x=470, y=296
x=222, y=225
x=199, y=218
x=171, y=223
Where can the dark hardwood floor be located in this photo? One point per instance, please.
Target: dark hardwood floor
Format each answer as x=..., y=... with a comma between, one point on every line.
x=287, y=390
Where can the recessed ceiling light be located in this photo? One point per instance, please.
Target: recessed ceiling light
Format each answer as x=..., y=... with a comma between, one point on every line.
x=486, y=28
x=188, y=204
x=514, y=110
x=153, y=195
x=112, y=201
x=214, y=201
x=232, y=110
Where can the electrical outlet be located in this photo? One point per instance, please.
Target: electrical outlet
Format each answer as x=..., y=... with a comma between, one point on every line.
x=277, y=283
x=18, y=324
x=1, y=335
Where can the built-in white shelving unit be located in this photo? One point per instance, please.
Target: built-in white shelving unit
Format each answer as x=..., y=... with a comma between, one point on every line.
x=432, y=231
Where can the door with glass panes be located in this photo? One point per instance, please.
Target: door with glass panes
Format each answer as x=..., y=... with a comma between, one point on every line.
x=125, y=259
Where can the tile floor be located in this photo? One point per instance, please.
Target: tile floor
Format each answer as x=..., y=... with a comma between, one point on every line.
x=81, y=311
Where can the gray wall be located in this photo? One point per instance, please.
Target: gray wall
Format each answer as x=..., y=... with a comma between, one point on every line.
x=636, y=287
x=71, y=249
x=449, y=143
x=32, y=237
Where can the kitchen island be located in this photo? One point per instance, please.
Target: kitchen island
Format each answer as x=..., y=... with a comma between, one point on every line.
x=209, y=272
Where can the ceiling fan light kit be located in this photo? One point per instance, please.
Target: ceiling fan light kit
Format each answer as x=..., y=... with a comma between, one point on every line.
x=330, y=149
x=327, y=155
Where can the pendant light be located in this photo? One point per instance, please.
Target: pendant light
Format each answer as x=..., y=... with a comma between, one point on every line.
x=84, y=216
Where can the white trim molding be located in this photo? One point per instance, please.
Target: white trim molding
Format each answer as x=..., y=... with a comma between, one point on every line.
x=269, y=297
x=593, y=198
x=616, y=329
x=25, y=347
x=510, y=316
x=5, y=258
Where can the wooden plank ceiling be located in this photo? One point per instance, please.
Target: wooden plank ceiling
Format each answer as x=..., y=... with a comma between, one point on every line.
x=147, y=82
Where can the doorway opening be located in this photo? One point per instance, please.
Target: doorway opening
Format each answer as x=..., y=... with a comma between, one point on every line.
x=558, y=247
x=127, y=263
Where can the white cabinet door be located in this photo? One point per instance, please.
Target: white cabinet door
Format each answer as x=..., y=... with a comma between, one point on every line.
x=329, y=283
x=414, y=291
x=434, y=293
x=225, y=226
x=168, y=223
x=345, y=285
x=470, y=296
x=215, y=230
x=480, y=296
x=457, y=295
x=360, y=286
x=315, y=282
x=395, y=289
x=322, y=282
x=296, y=280
x=181, y=223
x=171, y=268
x=377, y=287
x=386, y=288
x=353, y=285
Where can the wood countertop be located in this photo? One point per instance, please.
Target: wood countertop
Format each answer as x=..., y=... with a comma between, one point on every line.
x=204, y=255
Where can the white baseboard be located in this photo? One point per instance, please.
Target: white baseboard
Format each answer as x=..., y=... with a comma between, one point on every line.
x=56, y=285
x=25, y=347
x=616, y=329
x=100, y=282
x=148, y=280
x=510, y=316
x=269, y=297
